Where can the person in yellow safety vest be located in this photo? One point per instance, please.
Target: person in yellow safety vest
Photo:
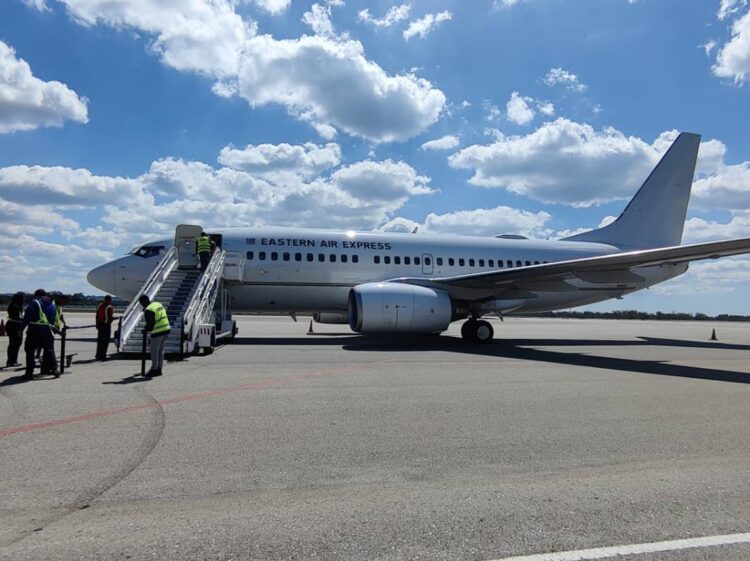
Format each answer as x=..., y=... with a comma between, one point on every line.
x=14, y=329
x=40, y=317
x=157, y=324
x=204, y=247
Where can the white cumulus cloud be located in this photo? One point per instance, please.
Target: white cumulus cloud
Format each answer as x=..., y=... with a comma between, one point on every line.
x=307, y=160
x=560, y=76
x=332, y=83
x=733, y=59
x=518, y=109
x=424, y=25
x=319, y=20
x=447, y=142
x=27, y=102
x=394, y=15
x=273, y=7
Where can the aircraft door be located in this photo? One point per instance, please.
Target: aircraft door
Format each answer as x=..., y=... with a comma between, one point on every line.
x=427, y=264
x=184, y=238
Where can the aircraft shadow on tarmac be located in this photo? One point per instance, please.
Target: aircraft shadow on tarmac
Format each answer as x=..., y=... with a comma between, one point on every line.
x=527, y=349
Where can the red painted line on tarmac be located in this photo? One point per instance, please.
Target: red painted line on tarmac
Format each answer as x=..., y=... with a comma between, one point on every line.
x=190, y=397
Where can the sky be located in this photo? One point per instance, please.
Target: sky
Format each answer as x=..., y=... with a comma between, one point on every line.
x=121, y=118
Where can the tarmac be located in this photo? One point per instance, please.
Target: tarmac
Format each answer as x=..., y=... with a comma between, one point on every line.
x=562, y=435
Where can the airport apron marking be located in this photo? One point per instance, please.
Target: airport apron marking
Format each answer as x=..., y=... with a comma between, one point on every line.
x=191, y=397
x=635, y=549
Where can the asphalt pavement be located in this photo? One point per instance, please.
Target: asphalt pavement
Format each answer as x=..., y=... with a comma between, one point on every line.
x=561, y=435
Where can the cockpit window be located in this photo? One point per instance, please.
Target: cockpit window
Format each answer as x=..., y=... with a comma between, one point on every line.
x=146, y=251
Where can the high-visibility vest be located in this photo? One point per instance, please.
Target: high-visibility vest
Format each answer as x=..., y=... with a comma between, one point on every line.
x=102, y=312
x=58, y=317
x=42, y=316
x=161, y=321
x=204, y=244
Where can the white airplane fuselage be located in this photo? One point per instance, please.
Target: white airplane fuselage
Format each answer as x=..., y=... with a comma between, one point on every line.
x=286, y=270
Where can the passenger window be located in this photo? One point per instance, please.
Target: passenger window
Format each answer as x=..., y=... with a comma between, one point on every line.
x=355, y=258
x=528, y=263
x=376, y=258
x=298, y=257
x=332, y=257
x=510, y=263
x=321, y=258
x=262, y=255
x=274, y=256
x=519, y=264
x=417, y=260
x=536, y=262
x=407, y=260
x=344, y=258
x=249, y=255
x=499, y=264
x=387, y=259
x=481, y=262
x=427, y=261
x=310, y=257
x=397, y=260
x=461, y=262
x=439, y=261
x=546, y=262
x=471, y=262
x=286, y=256
x=491, y=263
x=451, y=261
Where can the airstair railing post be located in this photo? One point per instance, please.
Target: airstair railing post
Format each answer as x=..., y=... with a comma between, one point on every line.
x=143, y=354
x=182, y=339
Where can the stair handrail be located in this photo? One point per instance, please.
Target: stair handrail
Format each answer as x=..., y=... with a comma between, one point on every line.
x=199, y=301
x=160, y=273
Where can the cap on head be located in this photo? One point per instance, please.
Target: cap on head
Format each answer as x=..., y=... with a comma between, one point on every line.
x=39, y=292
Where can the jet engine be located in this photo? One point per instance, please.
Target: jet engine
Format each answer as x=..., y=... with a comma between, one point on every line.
x=390, y=307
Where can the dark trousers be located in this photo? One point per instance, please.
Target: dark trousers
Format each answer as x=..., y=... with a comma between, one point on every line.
x=15, y=336
x=205, y=257
x=40, y=337
x=103, y=336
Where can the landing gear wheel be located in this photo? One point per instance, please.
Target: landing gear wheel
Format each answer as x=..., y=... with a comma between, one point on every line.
x=477, y=331
x=468, y=331
x=483, y=332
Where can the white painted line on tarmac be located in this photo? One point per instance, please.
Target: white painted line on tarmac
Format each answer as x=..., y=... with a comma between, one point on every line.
x=634, y=549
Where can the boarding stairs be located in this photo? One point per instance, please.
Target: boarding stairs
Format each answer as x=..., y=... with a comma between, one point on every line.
x=190, y=298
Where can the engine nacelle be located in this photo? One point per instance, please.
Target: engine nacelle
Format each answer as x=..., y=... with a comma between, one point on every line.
x=390, y=307
x=331, y=317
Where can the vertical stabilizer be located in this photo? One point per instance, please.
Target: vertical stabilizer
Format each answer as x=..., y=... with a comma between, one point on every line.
x=655, y=216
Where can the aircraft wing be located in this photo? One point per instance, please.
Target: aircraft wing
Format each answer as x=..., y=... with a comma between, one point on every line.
x=617, y=271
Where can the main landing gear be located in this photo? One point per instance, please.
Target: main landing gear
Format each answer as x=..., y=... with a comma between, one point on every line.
x=477, y=331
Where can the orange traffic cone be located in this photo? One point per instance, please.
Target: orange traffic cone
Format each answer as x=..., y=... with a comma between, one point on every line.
x=310, y=329
x=2, y=328
x=713, y=335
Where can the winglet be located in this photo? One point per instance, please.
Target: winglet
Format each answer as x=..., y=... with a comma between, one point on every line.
x=655, y=217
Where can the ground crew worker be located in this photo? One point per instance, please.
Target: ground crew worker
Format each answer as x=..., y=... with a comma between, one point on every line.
x=204, y=247
x=157, y=323
x=14, y=329
x=105, y=314
x=39, y=317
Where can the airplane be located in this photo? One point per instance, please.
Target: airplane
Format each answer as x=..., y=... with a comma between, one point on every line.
x=405, y=283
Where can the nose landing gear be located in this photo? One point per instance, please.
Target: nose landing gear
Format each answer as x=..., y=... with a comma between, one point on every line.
x=477, y=331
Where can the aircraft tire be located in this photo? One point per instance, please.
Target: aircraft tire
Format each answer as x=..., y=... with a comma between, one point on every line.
x=468, y=331
x=482, y=332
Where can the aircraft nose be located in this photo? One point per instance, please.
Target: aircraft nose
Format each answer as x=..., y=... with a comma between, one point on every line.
x=103, y=277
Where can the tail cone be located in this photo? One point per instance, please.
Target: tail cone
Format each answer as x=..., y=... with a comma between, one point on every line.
x=713, y=335
x=310, y=329
x=2, y=328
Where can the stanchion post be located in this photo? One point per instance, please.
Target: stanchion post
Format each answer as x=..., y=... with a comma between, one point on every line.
x=63, y=335
x=143, y=354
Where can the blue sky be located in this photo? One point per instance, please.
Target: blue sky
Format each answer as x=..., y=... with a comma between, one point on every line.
x=119, y=119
